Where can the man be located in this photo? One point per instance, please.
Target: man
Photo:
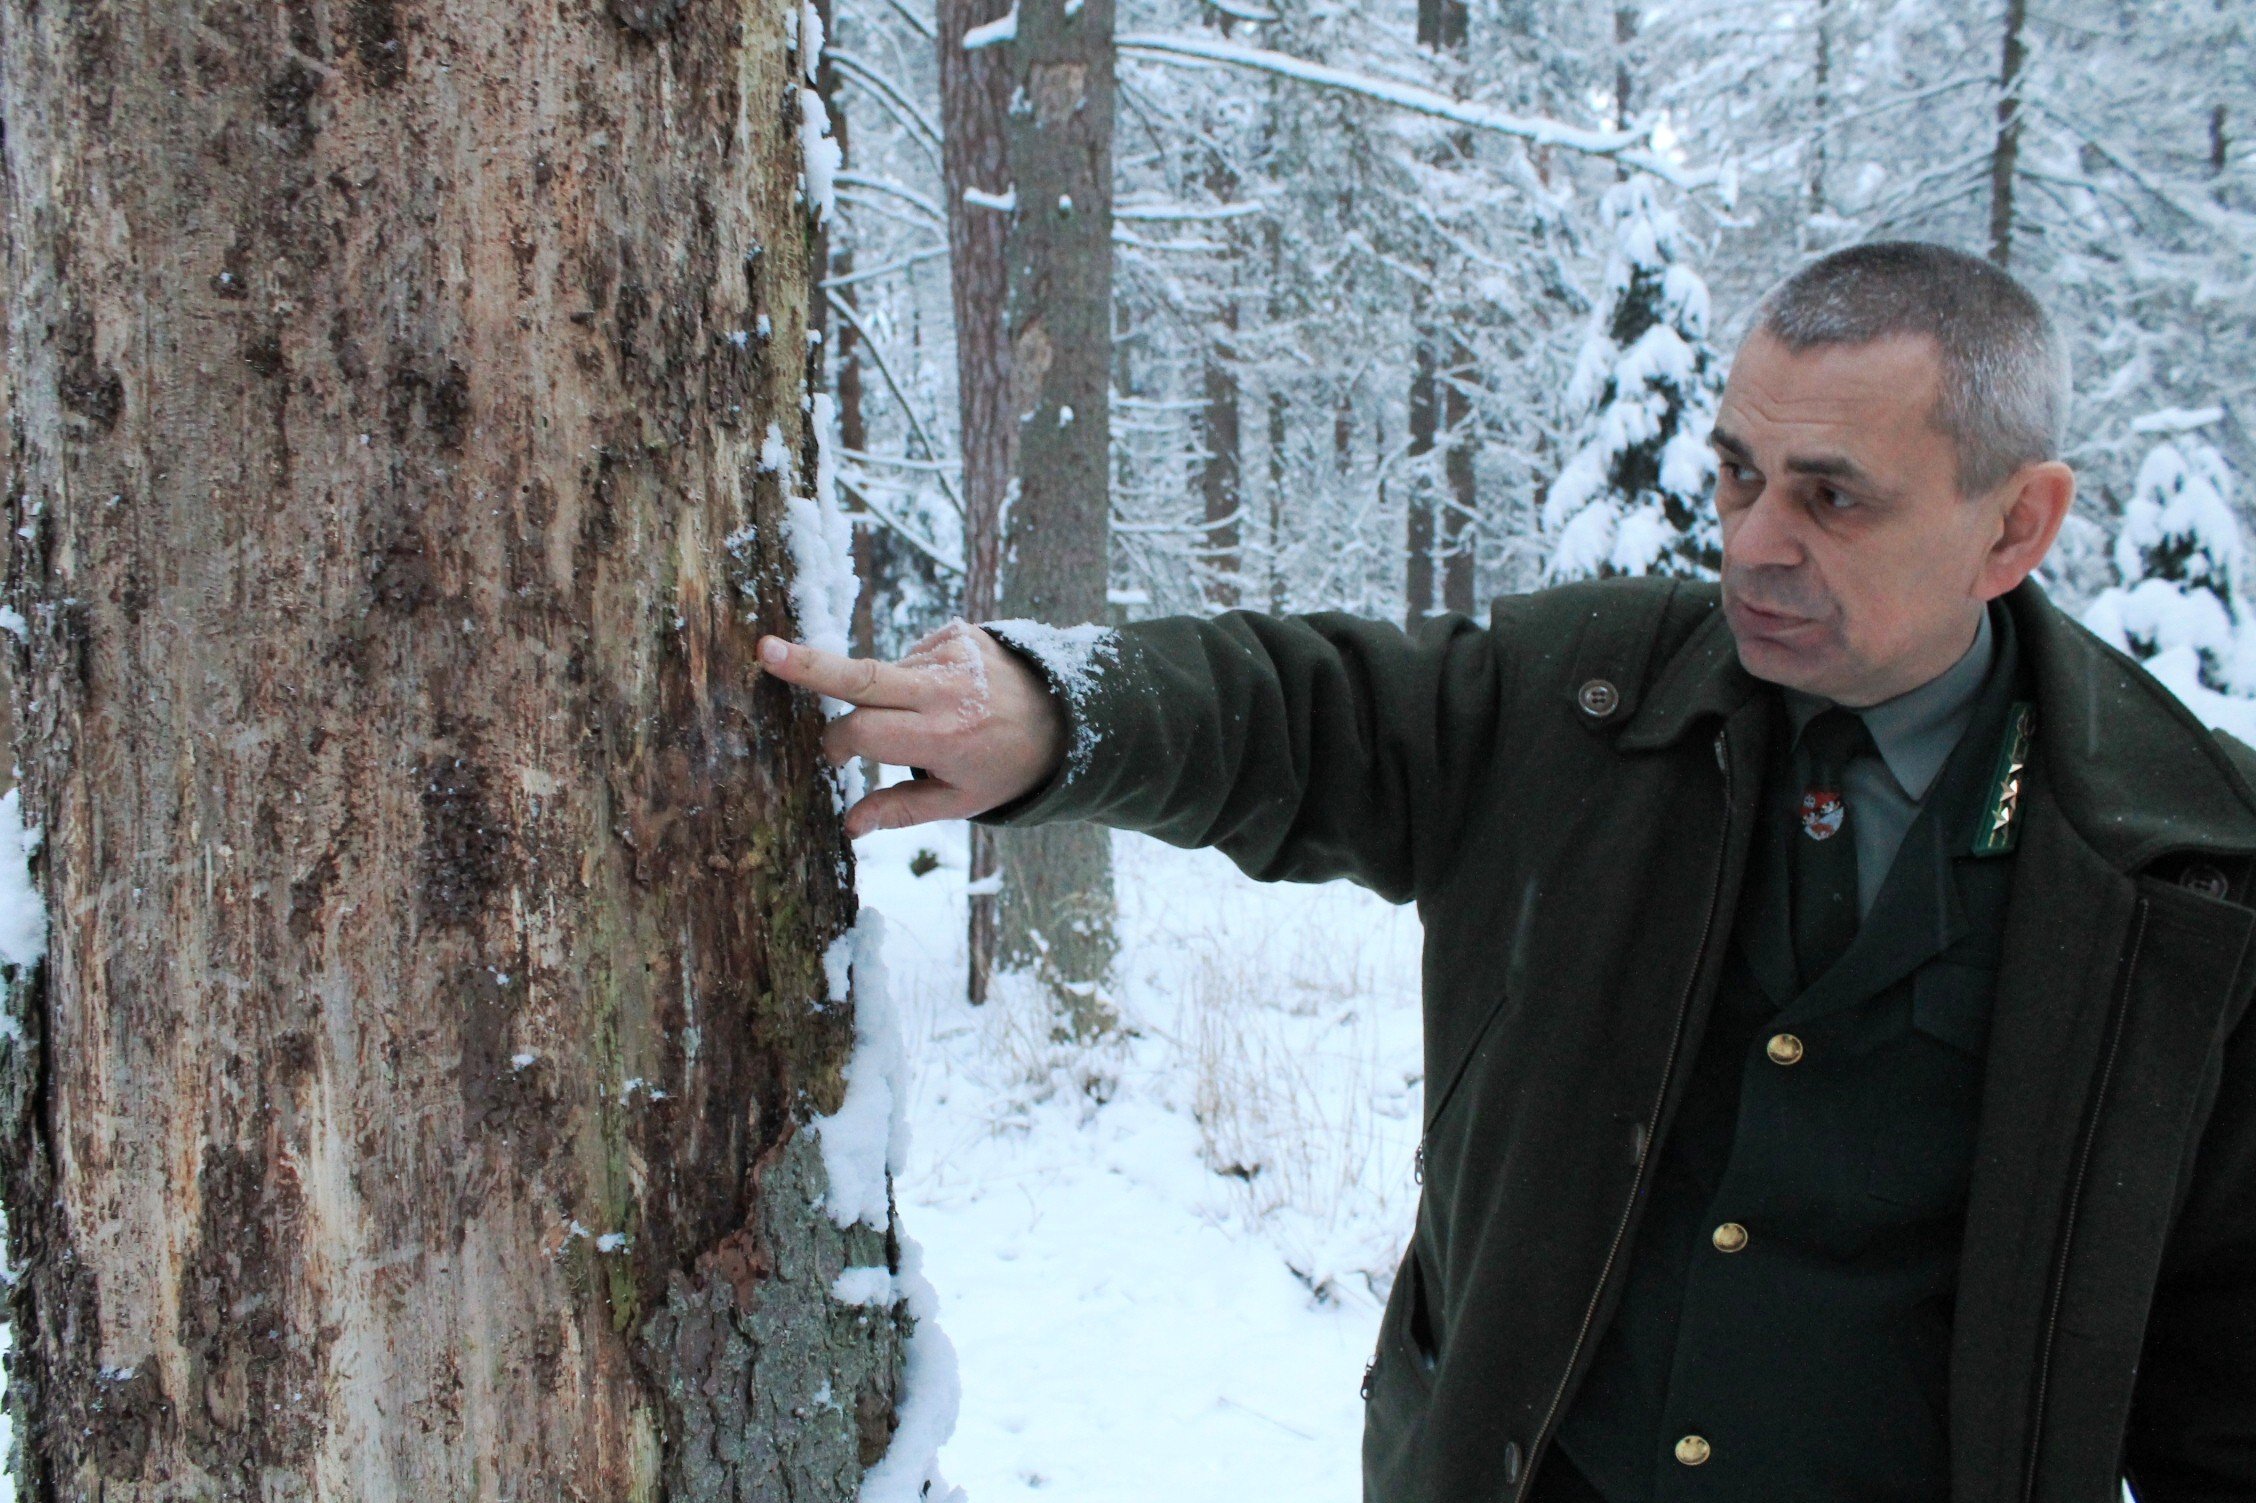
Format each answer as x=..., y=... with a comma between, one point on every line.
x=1837, y=1076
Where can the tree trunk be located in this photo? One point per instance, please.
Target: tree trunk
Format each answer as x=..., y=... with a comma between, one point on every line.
x=411, y=1104
x=2005, y=154
x=1218, y=470
x=1057, y=882
x=1418, y=538
x=1434, y=578
x=1821, y=109
x=975, y=162
x=1459, y=539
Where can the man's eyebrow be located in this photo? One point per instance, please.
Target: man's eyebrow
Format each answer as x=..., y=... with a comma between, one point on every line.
x=1823, y=466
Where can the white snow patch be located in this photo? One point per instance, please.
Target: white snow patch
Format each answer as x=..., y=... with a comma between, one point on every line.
x=931, y=1398
x=523, y=1060
x=23, y=916
x=822, y=155
x=824, y=586
x=810, y=40
x=775, y=454
x=763, y=326
x=1004, y=28
x=611, y=1242
x=867, y=1138
x=980, y=198
x=871, y=1285
x=13, y=623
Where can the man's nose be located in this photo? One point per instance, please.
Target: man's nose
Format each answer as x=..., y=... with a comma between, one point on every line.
x=1766, y=534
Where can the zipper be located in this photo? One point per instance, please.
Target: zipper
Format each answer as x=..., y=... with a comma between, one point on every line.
x=2075, y=1201
x=1652, y=1126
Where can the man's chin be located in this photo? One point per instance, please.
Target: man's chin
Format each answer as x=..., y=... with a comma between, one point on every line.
x=1773, y=661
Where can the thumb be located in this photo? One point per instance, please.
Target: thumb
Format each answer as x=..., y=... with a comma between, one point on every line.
x=905, y=804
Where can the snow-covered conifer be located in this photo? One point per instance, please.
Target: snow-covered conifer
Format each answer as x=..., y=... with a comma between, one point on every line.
x=1633, y=498
x=2180, y=562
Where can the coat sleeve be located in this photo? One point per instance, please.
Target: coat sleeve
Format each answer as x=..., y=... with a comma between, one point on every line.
x=1303, y=747
x=2192, y=1436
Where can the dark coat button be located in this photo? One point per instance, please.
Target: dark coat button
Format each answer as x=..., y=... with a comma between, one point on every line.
x=1598, y=698
x=2205, y=879
x=1511, y=1463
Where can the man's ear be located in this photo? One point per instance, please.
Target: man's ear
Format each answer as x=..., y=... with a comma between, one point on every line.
x=2035, y=501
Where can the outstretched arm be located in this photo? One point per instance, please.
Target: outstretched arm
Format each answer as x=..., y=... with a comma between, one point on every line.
x=1303, y=747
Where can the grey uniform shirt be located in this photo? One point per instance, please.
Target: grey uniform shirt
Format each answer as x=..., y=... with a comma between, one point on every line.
x=1915, y=733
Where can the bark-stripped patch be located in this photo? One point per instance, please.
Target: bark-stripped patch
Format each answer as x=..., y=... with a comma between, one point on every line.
x=90, y=388
x=288, y=102
x=254, y=1396
x=645, y=18
x=372, y=31
x=465, y=838
x=442, y=402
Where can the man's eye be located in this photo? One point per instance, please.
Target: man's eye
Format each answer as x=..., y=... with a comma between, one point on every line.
x=1832, y=500
x=1737, y=473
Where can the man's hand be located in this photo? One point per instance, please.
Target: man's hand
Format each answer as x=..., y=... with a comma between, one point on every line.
x=960, y=706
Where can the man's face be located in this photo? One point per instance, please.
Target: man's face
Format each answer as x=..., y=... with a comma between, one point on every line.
x=1850, y=558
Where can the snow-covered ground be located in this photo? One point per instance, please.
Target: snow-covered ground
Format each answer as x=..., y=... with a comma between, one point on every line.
x=1161, y=1261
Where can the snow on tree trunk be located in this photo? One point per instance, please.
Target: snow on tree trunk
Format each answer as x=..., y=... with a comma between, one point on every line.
x=421, y=1095
x=2180, y=602
x=1057, y=900
x=1634, y=496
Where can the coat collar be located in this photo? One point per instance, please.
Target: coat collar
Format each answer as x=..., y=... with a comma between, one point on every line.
x=2133, y=772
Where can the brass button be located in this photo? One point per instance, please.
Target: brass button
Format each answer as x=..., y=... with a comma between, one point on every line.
x=1784, y=1049
x=1729, y=1237
x=1598, y=698
x=1694, y=1450
x=2204, y=879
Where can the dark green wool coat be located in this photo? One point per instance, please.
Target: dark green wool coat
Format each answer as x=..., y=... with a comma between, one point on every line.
x=1568, y=795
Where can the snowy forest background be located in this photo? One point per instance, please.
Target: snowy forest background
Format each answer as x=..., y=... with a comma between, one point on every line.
x=1410, y=303
x=1367, y=357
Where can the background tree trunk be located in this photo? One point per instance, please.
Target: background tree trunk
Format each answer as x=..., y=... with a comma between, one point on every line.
x=411, y=1104
x=975, y=159
x=2005, y=151
x=1057, y=881
x=1437, y=544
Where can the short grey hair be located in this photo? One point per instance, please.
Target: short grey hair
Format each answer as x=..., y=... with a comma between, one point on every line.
x=2005, y=392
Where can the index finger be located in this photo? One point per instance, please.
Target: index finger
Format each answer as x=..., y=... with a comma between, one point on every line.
x=859, y=681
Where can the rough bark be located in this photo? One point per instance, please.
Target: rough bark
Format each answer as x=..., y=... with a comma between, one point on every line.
x=975, y=158
x=2005, y=152
x=436, y=890
x=1057, y=912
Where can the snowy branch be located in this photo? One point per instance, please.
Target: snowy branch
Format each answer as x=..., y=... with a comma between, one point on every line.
x=849, y=279
x=1185, y=213
x=890, y=95
x=892, y=189
x=1621, y=146
x=847, y=313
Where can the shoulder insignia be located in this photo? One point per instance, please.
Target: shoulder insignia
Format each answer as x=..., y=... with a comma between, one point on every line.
x=2001, y=812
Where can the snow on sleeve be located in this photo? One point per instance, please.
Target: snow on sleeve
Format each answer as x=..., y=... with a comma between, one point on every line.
x=868, y=1136
x=1074, y=659
x=931, y=1396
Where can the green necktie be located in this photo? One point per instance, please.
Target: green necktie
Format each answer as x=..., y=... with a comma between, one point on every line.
x=1825, y=862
